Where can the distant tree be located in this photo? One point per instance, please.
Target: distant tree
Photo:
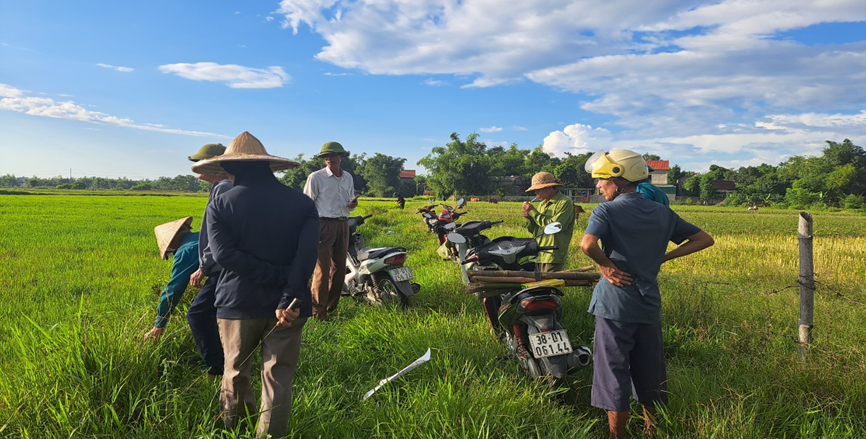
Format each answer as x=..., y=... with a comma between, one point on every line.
x=692, y=186
x=141, y=187
x=538, y=161
x=649, y=157
x=9, y=180
x=505, y=162
x=297, y=177
x=460, y=167
x=570, y=171
x=675, y=174
x=78, y=184
x=382, y=173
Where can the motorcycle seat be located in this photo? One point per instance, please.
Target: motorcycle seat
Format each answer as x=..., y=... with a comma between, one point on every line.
x=373, y=253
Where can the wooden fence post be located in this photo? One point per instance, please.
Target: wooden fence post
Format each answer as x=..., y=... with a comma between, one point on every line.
x=807, y=284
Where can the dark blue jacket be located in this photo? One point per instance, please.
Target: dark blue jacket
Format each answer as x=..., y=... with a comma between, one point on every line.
x=265, y=235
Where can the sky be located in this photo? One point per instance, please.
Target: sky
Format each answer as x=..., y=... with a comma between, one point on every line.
x=130, y=89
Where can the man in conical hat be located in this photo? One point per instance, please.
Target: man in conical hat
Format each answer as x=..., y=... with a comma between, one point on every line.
x=333, y=191
x=201, y=314
x=175, y=238
x=265, y=236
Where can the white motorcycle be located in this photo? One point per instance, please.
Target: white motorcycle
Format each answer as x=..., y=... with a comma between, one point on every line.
x=376, y=275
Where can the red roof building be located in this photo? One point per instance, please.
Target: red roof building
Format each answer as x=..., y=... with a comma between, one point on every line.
x=407, y=175
x=659, y=175
x=659, y=165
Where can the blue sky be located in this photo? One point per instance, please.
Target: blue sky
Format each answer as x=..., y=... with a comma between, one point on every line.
x=131, y=88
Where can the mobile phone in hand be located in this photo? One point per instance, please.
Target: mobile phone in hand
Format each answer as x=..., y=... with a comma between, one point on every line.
x=296, y=303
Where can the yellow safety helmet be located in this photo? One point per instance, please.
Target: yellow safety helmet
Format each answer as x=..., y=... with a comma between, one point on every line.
x=617, y=163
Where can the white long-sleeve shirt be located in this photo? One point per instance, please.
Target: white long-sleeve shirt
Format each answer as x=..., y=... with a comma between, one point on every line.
x=330, y=193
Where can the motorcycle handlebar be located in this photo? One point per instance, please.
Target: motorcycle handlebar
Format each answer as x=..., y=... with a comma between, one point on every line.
x=368, y=216
x=548, y=247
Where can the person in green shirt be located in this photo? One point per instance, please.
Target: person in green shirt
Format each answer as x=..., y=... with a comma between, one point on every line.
x=554, y=207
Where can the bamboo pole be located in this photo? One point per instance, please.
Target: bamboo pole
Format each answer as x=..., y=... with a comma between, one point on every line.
x=807, y=284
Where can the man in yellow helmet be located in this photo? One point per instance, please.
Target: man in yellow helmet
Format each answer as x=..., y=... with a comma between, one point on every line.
x=628, y=352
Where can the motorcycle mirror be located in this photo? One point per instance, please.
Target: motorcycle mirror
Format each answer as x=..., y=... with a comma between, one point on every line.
x=450, y=226
x=553, y=228
x=427, y=215
x=456, y=238
x=461, y=202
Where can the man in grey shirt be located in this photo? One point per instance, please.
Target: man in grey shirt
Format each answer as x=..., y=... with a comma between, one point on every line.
x=634, y=232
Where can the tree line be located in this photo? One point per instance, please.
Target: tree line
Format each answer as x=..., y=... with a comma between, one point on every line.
x=836, y=178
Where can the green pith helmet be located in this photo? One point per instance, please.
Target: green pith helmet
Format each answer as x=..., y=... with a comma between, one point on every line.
x=208, y=151
x=332, y=148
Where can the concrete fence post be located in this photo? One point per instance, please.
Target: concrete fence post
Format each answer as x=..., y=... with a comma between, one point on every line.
x=807, y=284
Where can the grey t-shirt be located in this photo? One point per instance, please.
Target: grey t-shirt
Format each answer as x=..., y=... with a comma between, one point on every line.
x=634, y=234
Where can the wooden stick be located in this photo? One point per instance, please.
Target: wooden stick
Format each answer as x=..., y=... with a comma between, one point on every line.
x=534, y=275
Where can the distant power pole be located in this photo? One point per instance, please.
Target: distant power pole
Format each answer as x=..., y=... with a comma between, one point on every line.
x=70, y=174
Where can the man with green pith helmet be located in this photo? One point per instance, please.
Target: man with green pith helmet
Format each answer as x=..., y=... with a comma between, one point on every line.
x=201, y=314
x=333, y=191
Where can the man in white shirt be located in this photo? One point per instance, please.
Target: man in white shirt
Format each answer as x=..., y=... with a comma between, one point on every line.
x=333, y=191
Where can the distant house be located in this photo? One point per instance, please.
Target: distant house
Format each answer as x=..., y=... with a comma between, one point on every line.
x=407, y=175
x=511, y=185
x=659, y=175
x=724, y=186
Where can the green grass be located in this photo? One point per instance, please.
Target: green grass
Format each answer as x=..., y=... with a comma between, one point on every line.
x=80, y=278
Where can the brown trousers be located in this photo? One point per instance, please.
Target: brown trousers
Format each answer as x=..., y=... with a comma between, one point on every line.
x=280, y=351
x=331, y=267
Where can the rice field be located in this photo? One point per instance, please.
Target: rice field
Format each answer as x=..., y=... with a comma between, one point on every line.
x=80, y=278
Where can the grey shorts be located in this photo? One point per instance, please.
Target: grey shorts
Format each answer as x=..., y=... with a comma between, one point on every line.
x=628, y=358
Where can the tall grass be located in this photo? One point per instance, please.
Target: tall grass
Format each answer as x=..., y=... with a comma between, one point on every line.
x=80, y=277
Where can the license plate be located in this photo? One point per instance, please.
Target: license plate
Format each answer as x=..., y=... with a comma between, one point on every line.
x=400, y=274
x=548, y=344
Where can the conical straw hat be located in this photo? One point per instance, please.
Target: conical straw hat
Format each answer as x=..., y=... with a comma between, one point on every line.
x=244, y=147
x=165, y=234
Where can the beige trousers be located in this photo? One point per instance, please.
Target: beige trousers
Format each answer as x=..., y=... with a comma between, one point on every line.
x=280, y=351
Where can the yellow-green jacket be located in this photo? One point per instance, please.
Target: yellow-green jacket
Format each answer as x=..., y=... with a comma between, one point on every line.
x=559, y=208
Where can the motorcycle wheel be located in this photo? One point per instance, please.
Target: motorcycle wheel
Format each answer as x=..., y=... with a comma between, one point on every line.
x=386, y=291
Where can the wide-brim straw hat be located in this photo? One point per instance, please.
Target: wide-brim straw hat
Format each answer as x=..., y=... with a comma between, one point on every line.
x=166, y=233
x=543, y=180
x=244, y=148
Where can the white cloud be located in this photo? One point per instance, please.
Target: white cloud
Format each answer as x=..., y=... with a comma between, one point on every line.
x=706, y=73
x=233, y=75
x=771, y=141
x=7, y=91
x=493, y=129
x=13, y=99
x=577, y=139
x=433, y=82
x=519, y=128
x=117, y=68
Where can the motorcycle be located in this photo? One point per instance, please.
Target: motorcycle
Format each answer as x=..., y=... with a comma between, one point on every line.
x=377, y=275
x=441, y=226
x=527, y=318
